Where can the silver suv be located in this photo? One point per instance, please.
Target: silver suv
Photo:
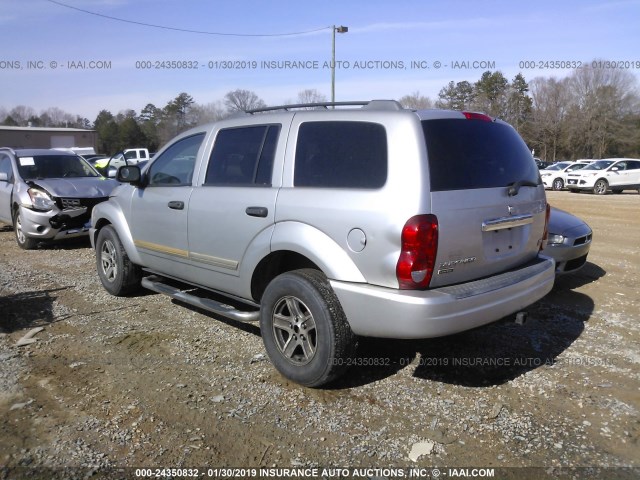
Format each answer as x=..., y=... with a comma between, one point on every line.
x=331, y=223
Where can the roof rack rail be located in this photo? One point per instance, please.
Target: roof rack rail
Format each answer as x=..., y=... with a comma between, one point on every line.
x=373, y=105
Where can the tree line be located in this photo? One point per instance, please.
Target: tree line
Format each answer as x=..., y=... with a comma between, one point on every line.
x=591, y=113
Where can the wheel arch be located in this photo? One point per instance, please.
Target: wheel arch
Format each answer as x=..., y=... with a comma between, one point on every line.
x=107, y=214
x=274, y=264
x=295, y=246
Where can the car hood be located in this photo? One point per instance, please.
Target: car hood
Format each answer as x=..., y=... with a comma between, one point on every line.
x=83, y=187
x=561, y=222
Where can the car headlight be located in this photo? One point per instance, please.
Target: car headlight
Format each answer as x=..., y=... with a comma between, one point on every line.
x=40, y=199
x=554, y=239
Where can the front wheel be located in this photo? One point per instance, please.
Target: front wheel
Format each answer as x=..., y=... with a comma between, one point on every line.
x=600, y=187
x=24, y=242
x=558, y=184
x=119, y=276
x=304, y=329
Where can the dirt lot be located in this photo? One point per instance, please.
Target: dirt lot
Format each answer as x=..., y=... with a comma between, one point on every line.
x=146, y=382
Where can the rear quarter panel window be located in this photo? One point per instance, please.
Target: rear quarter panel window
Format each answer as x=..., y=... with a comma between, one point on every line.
x=472, y=154
x=342, y=154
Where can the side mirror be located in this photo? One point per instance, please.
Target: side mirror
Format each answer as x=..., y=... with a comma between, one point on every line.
x=614, y=169
x=4, y=177
x=129, y=174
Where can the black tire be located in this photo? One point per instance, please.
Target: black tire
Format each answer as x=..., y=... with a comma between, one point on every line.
x=601, y=187
x=310, y=315
x=558, y=184
x=24, y=242
x=119, y=276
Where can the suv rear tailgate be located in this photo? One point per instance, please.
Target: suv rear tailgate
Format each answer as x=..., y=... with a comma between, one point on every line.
x=484, y=232
x=487, y=195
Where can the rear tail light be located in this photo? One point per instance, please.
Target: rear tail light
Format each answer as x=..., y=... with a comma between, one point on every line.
x=546, y=227
x=418, y=254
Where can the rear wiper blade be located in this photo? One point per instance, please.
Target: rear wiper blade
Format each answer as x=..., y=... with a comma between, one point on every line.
x=514, y=187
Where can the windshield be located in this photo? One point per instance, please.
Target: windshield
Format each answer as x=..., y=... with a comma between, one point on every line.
x=54, y=166
x=471, y=154
x=599, y=165
x=558, y=166
x=576, y=166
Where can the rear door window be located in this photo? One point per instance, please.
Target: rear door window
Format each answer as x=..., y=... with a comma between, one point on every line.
x=471, y=154
x=243, y=156
x=341, y=155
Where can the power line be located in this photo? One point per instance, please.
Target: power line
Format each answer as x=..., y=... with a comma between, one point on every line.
x=201, y=32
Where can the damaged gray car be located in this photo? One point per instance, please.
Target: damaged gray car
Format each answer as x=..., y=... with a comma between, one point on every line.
x=48, y=194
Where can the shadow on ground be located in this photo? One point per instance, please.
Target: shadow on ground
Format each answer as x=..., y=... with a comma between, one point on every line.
x=28, y=310
x=486, y=356
x=489, y=355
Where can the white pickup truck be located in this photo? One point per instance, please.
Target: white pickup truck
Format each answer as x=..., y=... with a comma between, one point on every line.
x=130, y=156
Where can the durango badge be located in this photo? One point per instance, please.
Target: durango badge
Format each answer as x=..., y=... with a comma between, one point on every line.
x=448, y=267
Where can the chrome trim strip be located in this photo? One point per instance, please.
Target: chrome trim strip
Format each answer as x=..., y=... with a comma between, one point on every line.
x=506, y=222
x=161, y=248
x=215, y=261
x=198, y=257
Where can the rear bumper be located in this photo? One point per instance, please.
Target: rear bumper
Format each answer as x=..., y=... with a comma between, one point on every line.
x=383, y=312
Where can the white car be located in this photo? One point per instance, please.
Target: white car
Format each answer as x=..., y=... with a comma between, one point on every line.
x=615, y=174
x=555, y=176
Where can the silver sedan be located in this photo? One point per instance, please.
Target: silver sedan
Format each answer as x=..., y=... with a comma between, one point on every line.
x=568, y=242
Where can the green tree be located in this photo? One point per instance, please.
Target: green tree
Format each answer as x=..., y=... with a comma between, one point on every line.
x=149, y=119
x=175, y=117
x=108, y=132
x=130, y=134
x=456, y=96
x=9, y=121
x=518, y=102
x=491, y=94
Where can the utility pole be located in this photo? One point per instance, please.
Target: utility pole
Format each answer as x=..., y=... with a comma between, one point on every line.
x=334, y=29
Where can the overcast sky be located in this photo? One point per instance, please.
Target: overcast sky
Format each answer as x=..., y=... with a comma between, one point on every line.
x=56, y=56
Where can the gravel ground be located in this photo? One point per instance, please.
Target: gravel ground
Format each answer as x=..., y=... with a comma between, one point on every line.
x=147, y=382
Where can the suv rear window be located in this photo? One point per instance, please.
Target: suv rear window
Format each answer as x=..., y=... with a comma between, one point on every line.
x=471, y=154
x=341, y=155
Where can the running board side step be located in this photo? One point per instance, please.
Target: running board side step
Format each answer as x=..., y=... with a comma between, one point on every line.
x=155, y=283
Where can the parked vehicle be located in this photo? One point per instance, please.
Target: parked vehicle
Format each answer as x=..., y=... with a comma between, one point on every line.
x=541, y=163
x=327, y=224
x=554, y=177
x=602, y=176
x=132, y=156
x=135, y=155
x=48, y=194
x=568, y=242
